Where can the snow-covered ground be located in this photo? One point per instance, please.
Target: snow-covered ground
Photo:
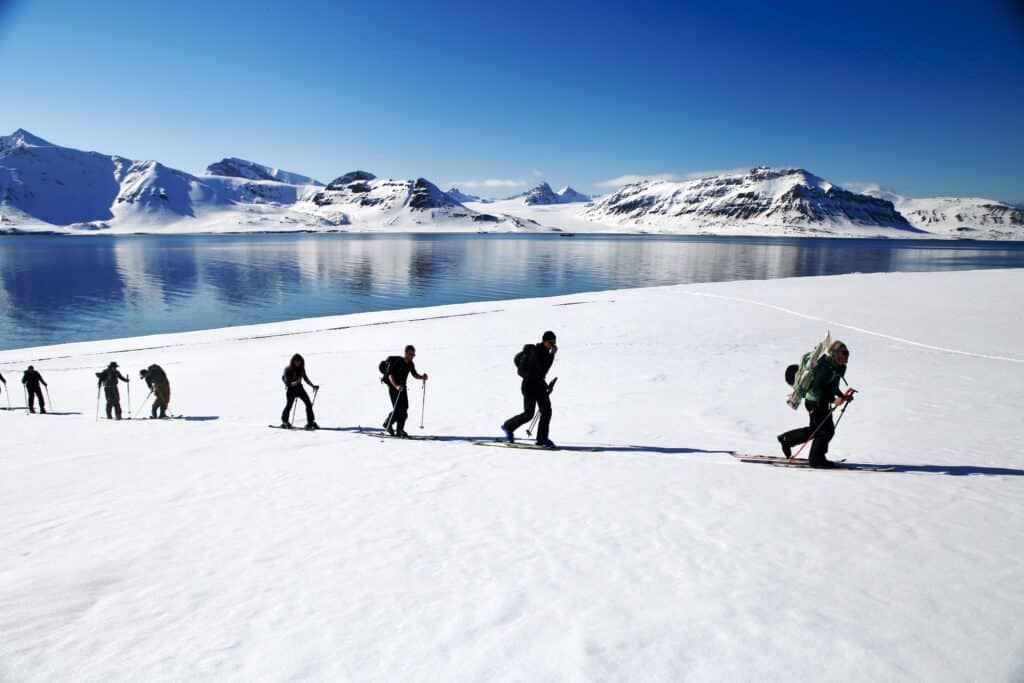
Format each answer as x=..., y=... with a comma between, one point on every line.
x=217, y=549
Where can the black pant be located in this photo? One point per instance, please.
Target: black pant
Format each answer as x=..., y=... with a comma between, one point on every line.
x=535, y=394
x=33, y=393
x=819, y=415
x=400, y=413
x=298, y=393
x=113, y=401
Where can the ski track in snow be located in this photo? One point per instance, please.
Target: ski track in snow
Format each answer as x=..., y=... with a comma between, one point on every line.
x=833, y=323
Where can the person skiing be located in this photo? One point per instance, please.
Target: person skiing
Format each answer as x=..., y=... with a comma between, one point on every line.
x=293, y=377
x=156, y=380
x=32, y=379
x=820, y=400
x=533, y=363
x=108, y=379
x=397, y=371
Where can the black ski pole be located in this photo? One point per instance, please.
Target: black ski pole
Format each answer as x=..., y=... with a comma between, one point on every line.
x=48, y=399
x=394, y=404
x=24, y=390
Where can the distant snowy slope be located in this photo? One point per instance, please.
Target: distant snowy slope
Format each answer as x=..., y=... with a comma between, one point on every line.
x=56, y=184
x=958, y=216
x=567, y=195
x=461, y=197
x=794, y=200
x=233, y=167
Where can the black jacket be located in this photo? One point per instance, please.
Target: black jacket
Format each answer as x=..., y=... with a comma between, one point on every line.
x=292, y=374
x=536, y=361
x=32, y=379
x=108, y=378
x=400, y=370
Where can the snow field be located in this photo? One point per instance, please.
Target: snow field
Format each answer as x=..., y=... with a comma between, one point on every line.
x=218, y=549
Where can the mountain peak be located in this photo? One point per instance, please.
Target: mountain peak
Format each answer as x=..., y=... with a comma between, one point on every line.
x=23, y=137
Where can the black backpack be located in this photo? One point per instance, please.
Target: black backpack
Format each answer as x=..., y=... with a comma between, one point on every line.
x=791, y=371
x=386, y=365
x=522, y=360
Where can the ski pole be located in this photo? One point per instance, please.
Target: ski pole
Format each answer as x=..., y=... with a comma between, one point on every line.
x=97, y=403
x=394, y=404
x=529, y=430
x=136, y=414
x=8, y=395
x=820, y=425
x=48, y=399
x=24, y=390
x=129, y=383
x=423, y=406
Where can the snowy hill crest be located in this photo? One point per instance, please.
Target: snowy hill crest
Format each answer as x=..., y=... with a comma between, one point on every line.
x=765, y=196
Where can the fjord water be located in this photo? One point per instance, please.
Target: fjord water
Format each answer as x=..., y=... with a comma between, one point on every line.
x=56, y=289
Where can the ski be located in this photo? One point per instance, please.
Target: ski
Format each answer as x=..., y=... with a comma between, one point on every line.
x=293, y=429
x=746, y=457
x=412, y=437
x=535, y=447
x=842, y=466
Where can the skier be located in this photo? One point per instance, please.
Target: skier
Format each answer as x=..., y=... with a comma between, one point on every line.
x=32, y=379
x=396, y=372
x=820, y=399
x=108, y=379
x=533, y=363
x=293, y=377
x=156, y=380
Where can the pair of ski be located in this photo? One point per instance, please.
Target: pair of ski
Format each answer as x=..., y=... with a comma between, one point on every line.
x=782, y=461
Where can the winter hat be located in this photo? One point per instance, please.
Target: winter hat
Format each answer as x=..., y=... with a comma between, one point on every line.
x=548, y=336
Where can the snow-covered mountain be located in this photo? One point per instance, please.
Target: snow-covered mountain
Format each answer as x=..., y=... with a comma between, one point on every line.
x=361, y=196
x=45, y=186
x=969, y=217
x=567, y=195
x=232, y=167
x=543, y=195
x=785, y=201
x=461, y=197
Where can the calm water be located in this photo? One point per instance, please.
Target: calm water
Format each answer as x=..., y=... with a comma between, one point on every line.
x=58, y=289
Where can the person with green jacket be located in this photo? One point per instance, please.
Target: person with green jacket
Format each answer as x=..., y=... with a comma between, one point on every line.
x=820, y=399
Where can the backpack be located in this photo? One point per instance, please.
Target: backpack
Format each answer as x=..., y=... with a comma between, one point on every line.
x=800, y=377
x=522, y=360
x=386, y=365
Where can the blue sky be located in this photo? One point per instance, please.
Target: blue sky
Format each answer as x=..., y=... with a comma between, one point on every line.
x=926, y=98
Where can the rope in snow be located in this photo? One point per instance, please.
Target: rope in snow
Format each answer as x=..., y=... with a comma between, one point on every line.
x=833, y=323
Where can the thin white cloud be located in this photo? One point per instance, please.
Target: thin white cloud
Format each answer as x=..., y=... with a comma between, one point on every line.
x=628, y=179
x=538, y=174
x=488, y=182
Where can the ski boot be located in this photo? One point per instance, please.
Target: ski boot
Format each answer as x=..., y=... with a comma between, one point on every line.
x=786, y=451
x=285, y=424
x=312, y=427
x=509, y=434
x=546, y=443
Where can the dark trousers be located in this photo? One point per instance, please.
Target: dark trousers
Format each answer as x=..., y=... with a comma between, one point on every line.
x=34, y=393
x=298, y=393
x=819, y=415
x=535, y=395
x=162, y=394
x=400, y=412
x=113, y=401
